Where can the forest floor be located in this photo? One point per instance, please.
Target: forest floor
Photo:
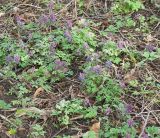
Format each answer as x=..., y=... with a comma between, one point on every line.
x=79, y=68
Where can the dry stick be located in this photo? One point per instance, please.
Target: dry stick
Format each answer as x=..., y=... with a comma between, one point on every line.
x=144, y=126
x=148, y=104
x=152, y=112
x=30, y=5
x=6, y=119
x=156, y=26
x=64, y=7
x=75, y=8
x=59, y=132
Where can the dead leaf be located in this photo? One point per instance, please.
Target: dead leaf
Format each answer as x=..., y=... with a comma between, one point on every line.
x=38, y=92
x=1, y=90
x=130, y=76
x=149, y=38
x=2, y=14
x=95, y=127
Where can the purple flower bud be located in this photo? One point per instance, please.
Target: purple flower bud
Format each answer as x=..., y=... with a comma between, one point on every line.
x=16, y=59
x=30, y=36
x=137, y=16
x=150, y=48
x=122, y=84
x=95, y=55
x=67, y=34
x=19, y=21
x=97, y=69
x=69, y=24
x=52, y=17
x=31, y=70
x=128, y=135
x=87, y=102
x=130, y=122
x=128, y=108
x=89, y=58
x=43, y=19
x=51, y=5
x=81, y=76
x=108, y=64
x=52, y=47
x=121, y=44
x=108, y=111
x=145, y=135
x=78, y=52
x=60, y=65
x=30, y=53
x=9, y=58
x=85, y=46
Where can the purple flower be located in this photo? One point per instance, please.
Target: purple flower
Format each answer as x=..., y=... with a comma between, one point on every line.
x=69, y=24
x=108, y=64
x=85, y=46
x=52, y=50
x=95, y=55
x=51, y=5
x=108, y=111
x=30, y=36
x=128, y=108
x=43, y=19
x=130, y=122
x=52, y=17
x=79, y=52
x=87, y=102
x=150, y=48
x=122, y=84
x=97, y=69
x=128, y=135
x=30, y=53
x=67, y=34
x=16, y=59
x=9, y=58
x=60, y=65
x=137, y=16
x=19, y=21
x=88, y=58
x=81, y=76
x=32, y=70
x=145, y=135
x=121, y=44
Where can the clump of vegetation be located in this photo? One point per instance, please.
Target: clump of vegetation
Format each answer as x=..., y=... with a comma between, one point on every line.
x=61, y=78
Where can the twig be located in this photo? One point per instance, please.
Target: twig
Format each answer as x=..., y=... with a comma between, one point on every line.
x=156, y=26
x=77, y=117
x=144, y=126
x=75, y=8
x=6, y=119
x=64, y=7
x=30, y=5
x=59, y=132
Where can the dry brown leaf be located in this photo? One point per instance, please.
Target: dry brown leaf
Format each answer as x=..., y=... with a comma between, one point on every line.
x=95, y=127
x=38, y=92
x=130, y=76
x=2, y=14
x=1, y=90
x=149, y=38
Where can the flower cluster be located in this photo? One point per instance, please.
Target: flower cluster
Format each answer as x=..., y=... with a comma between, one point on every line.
x=60, y=65
x=53, y=47
x=19, y=21
x=68, y=35
x=15, y=59
x=81, y=76
x=97, y=69
x=51, y=18
x=130, y=122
